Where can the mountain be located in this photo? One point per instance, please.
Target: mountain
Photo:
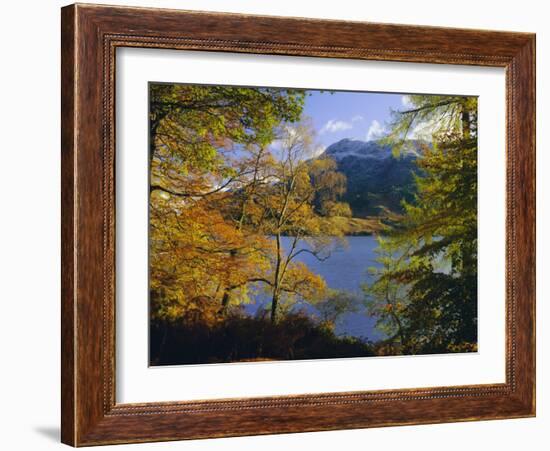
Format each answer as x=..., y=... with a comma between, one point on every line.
x=376, y=178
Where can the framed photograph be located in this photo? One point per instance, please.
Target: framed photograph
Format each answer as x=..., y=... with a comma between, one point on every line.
x=279, y=225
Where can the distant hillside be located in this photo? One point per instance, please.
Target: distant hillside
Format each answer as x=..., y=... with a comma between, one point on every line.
x=376, y=179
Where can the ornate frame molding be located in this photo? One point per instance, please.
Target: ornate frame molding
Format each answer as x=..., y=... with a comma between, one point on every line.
x=90, y=37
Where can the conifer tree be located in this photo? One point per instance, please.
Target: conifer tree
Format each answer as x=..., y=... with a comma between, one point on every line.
x=432, y=251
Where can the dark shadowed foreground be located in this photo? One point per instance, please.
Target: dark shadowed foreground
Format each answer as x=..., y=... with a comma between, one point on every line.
x=245, y=338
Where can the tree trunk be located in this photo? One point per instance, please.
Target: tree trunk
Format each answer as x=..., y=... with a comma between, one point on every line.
x=227, y=290
x=466, y=124
x=274, y=302
x=276, y=281
x=400, y=330
x=153, y=127
x=225, y=301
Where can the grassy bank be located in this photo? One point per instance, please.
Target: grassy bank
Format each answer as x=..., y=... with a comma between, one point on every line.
x=357, y=226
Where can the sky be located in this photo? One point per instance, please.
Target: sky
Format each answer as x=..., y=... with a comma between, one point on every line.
x=356, y=115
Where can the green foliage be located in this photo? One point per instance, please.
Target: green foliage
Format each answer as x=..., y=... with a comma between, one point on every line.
x=433, y=117
x=336, y=304
x=193, y=128
x=387, y=299
x=428, y=280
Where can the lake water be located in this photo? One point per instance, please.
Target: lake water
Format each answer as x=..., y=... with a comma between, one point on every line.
x=345, y=269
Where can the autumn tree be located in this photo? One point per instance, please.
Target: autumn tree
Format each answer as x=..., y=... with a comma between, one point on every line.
x=284, y=205
x=195, y=254
x=232, y=173
x=195, y=132
x=200, y=153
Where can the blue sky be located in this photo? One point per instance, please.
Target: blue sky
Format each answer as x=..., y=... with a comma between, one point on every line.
x=357, y=115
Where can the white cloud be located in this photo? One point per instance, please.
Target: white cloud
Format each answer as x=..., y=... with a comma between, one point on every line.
x=318, y=151
x=334, y=126
x=376, y=131
x=426, y=130
x=276, y=144
x=423, y=131
x=291, y=131
x=406, y=101
x=278, y=147
x=357, y=118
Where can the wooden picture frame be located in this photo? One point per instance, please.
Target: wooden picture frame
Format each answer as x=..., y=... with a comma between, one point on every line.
x=90, y=36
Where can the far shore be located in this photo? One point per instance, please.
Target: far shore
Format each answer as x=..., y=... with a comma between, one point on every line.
x=357, y=226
